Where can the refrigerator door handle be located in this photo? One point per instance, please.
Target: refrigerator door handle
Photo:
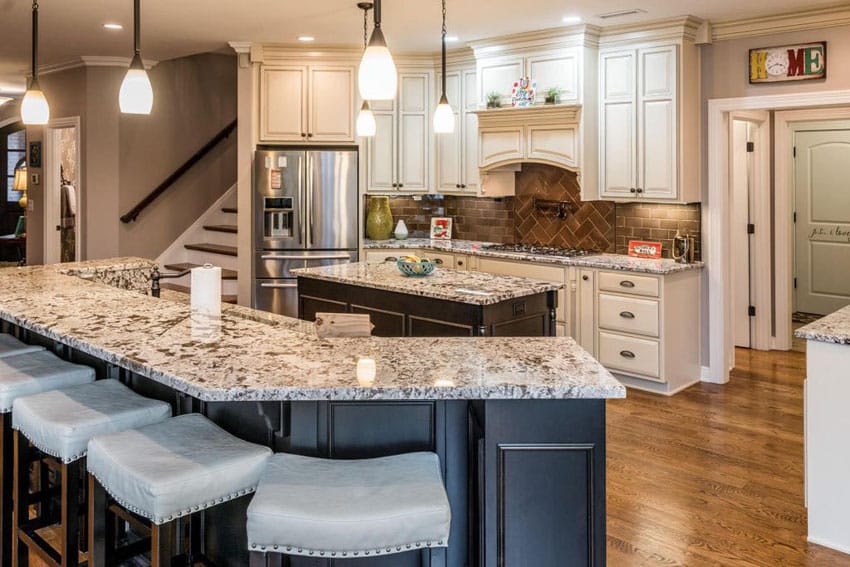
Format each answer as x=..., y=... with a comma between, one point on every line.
x=309, y=199
x=279, y=285
x=289, y=257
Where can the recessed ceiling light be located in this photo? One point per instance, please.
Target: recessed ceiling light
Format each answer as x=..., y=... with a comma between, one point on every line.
x=451, y=38
x=306, y=38
x=113, y=26
x=571, y=19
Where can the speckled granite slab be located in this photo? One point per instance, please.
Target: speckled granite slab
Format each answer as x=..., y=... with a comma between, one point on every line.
x=834, y=328
x=249, y=355
x=475, y=288
x=618, y=262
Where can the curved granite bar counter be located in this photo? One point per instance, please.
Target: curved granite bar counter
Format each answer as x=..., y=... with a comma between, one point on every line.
x=517, y=423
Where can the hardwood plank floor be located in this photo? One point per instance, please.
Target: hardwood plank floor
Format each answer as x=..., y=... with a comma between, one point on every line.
x=714, y=475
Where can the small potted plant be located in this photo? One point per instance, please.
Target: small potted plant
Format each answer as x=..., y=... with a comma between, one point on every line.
x=552, y=95
x=494, y=99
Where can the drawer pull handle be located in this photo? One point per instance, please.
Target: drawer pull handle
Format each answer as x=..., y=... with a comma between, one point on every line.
x=390, y=259
x=627, y=354
x=438, y=261
x=627, y=283
x=627, y=315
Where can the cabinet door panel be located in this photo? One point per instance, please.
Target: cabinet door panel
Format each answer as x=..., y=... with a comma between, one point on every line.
x=414, y=93
x=499, y=144
x=413, y=153
x=283, y=92
x=553, y=143
x=498, y=75
x=382, y=155
x=618, y=75
x=618, y=149
x=469, y=164
x=658, y=72
x=560, y=71
x=449, y=176
x=331, y=104
x=657, y=175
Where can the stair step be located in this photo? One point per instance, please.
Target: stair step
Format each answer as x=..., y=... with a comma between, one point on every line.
x=185, y=289
x=212, y=248
x=225, y=273
x=229, y=228
x=233, y=210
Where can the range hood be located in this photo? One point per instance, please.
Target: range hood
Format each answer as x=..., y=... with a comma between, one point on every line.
x=547, y=134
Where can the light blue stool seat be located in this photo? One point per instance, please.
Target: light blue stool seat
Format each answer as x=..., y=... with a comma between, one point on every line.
x=176, y=467
x=36, y=372
x=10, y=346
x=61, y=422
x=349, y=508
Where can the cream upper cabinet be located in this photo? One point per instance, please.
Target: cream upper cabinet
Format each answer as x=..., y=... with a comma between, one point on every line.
x=649, y=123
x=560, y=70
x=301, y=103
x=457, y=152
x=469, y=139
x=497, y=74
x=399, y=155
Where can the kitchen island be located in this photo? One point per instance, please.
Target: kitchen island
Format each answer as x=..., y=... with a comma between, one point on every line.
x=518, y=423
x=445, y=303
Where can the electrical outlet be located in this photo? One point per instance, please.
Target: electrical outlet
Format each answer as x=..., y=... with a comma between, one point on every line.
x=35, y=178
x=31, y=205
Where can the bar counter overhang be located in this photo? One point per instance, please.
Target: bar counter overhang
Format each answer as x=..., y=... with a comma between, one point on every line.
x=518, y=423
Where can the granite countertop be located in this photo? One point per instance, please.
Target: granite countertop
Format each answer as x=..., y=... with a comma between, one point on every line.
x=251, y=356
x=475, y=288
x=619, y=262
x=834, y=328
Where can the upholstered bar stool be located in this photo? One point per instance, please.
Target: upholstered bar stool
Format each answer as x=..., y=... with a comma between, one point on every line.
x=163, y=472
x=29, y=371
x=349, y=509
x=60, y=423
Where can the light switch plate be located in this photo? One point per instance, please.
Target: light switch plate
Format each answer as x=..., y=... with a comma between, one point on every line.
x=35, y=178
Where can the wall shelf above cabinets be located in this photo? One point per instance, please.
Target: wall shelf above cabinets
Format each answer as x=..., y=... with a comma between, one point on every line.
x=307, y=103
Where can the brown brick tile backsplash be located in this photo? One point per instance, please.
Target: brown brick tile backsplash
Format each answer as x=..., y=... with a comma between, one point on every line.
x=596, y=225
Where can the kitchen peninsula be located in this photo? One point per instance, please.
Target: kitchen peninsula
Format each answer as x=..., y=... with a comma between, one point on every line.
x=447, y=302
x=518, y=423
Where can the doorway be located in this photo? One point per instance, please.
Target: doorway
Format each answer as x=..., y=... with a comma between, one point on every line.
x=821, y=172
x=62, y=192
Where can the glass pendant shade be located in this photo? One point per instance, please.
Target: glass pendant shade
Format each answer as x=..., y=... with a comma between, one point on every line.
x=444, y=117
x=377, y=78
x=136, y=95
x=366, y=126
x=34, y=107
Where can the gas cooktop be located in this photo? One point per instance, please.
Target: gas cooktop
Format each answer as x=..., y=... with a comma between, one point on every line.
x=539, y=250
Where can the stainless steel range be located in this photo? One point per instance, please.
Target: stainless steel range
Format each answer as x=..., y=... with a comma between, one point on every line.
x=538, y=250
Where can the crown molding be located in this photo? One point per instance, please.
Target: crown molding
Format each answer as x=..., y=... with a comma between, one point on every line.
x=91, y=61
x=681, y=28
x=581, y=35
x=804, y=20
x=240, y=47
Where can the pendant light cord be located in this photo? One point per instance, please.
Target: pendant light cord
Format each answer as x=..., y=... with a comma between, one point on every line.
x=137, y=26
x=365, y=28
x=377, y=7
x=35, y=40
x=444, y=48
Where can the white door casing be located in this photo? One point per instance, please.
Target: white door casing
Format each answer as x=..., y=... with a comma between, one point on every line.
x=53, y=188
x=741, y=174
x=822, y=234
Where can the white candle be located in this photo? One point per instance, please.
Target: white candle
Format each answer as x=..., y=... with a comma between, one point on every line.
x=366, y=370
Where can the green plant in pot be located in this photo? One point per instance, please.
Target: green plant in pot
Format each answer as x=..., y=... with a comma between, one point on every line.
x=379, y=219
x=494, y=99
x=553, y=94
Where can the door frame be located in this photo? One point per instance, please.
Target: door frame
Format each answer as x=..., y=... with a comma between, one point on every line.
x=52, y=199
x=716, y=217
x=786, y=123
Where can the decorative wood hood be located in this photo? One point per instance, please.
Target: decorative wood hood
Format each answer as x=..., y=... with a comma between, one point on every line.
x=547, y=134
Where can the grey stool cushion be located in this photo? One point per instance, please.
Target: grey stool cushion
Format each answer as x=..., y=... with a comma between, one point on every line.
x=36, y=372
x=61, y=422
x=10, y=346
x=356, y=508
x=175, y=467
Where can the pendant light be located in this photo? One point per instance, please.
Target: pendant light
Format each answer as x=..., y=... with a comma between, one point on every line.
x=377, y=78
x=136, y=95
x=444, y=116
x=366, y=126
x=34, y=107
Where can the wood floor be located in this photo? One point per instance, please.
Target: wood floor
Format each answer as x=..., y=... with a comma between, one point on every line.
x=713, y=475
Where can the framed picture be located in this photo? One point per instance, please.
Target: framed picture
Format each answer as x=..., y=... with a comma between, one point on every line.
x=34, y=155
x=441, y=228
x=801, y=62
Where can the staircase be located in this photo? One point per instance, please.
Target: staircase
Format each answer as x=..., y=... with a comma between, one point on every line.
x=210, y=240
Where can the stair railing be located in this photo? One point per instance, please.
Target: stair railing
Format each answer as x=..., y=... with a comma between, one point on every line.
x=133, y=214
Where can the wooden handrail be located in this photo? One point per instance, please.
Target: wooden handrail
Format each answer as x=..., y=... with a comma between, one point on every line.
x=178, y=173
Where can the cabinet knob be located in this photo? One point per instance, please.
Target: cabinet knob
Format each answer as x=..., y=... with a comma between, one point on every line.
x=463, y=185
x=458, y=186
x=632, y=190
x=585, y=278
x=401, y=184
x=460, y=262
x=303, y=134
x=640, y=190
x=395, y=184
x=310, y=135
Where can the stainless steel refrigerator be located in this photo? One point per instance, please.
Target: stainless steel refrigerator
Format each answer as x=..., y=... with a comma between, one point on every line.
x=305, y=215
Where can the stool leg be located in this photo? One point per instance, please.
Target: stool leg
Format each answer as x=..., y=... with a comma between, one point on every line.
x=257, y=559
x=162, y=544
x=7, y=489
x=101, y=536
x=20, y=552
x=70, y=522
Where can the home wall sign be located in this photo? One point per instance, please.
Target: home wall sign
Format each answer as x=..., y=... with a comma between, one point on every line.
x=803, y=62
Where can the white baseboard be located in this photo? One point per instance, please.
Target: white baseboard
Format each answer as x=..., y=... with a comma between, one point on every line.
x=824, y=543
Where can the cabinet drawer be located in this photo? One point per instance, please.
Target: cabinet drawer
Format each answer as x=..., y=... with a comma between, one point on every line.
x=629, y=354
x=626, y=282
x=628, y=314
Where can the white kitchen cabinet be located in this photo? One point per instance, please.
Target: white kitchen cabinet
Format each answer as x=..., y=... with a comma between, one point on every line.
x=649, y=123
x=497, y=74
x=585, y=314
x=457, y=152
x=550, y=68
x=399, y=155
x=500, y=144
x=307, y=103
x=469, y=138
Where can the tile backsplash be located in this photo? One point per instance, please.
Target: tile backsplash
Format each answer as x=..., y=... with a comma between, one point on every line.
x=598, y=225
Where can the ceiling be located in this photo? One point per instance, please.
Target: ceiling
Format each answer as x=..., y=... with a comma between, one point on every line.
x=71, y=28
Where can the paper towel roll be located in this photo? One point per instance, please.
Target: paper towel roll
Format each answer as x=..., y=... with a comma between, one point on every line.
x=206, y=291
